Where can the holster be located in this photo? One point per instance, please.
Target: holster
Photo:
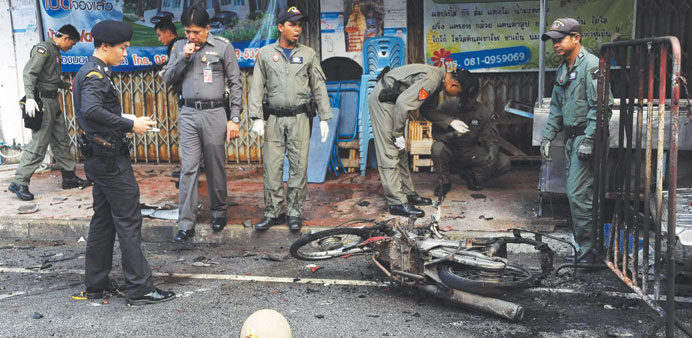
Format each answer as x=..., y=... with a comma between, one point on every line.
x=311, y=109
x=388, y=94
x=265, y=108
x=84, y=146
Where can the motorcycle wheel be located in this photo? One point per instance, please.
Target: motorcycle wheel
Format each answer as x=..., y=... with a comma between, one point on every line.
x=471, y=279
x=329, y=244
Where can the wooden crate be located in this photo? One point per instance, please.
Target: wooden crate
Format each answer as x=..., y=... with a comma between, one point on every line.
x=419, y=144
x=349, y=154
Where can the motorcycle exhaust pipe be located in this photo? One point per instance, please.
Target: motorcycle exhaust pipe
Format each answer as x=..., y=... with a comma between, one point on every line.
x=493, y=306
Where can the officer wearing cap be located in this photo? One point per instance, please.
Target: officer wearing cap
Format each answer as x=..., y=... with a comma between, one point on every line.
x=573, y=109
x=397, y=92
x=107, y=164
x=476, y=153
x=42, y=79
x=205, y=64
x=287, y=72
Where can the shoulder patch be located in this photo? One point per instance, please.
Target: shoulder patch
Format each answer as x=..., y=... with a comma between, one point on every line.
x=95, y=73
x=41, y=50
x=423, y=95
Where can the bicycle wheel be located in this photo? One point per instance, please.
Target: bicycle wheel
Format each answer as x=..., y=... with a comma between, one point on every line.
x=492, y=283
x=329, y=244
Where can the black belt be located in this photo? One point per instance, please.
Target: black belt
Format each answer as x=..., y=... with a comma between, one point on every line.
x=204, y=104
x=283, y=112
x=574, y=131
x=49, y=94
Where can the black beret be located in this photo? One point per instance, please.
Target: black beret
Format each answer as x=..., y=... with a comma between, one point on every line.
x=111, y=31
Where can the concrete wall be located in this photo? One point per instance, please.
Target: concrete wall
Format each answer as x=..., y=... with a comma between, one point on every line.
x=16, y=40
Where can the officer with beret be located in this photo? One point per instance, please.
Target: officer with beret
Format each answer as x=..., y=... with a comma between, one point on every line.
x=573, y=107
x=108, y=165
x=42, y=79
x=287, y=72
x=397, y=92
x=205, y=64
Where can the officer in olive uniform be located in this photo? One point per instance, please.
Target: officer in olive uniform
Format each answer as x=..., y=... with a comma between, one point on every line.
x=107, y=152
x=205, y=64
x=287, y=72
x=476, y=153
x=42, y=79
x=573, y=108
x=398, y=91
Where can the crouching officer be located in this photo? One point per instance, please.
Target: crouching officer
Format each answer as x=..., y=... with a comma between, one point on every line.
x=42, y=79
x=204, y=64
x=398, y=91
x=287, y=72
x=107, y=152
x=466, y=138
x=573, y=107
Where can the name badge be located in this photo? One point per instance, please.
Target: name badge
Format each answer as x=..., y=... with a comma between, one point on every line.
x=297, y=60
x=207, y=74
x=573, y=75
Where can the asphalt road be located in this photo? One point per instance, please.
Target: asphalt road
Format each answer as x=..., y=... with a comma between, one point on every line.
x=212, y=302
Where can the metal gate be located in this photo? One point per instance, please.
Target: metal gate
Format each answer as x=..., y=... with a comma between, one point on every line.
x=638, y=206
x=145, y=94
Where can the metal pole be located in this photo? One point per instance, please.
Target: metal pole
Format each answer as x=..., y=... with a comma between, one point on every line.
x=541, y=57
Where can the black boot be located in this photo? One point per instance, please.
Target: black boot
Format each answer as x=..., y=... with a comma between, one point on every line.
x=443, y=186
x=471, y=181
x=22, y=191
x=406, y=210
x=416, y=199
x=70, y=180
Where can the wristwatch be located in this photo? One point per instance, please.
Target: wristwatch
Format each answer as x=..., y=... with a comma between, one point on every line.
x=235, y=119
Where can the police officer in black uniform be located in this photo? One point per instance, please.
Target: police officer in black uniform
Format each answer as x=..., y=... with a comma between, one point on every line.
x=107, y=152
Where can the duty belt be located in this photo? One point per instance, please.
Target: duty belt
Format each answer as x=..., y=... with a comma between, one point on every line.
x=204, y=104
x=49, y=94
x=574, y=131
x=282, y=112
x=105, y=147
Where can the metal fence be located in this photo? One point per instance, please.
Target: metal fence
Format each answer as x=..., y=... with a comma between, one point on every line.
x=638, y=210
x=145, y=94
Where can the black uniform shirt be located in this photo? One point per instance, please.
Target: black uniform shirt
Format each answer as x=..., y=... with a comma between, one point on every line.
x=96, y=102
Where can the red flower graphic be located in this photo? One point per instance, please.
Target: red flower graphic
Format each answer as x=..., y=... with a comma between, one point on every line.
x=440, y=57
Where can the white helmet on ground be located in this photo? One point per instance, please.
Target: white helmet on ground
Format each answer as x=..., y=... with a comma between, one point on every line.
x=265, y=324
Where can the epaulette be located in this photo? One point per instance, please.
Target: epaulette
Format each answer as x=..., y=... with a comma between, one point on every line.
x=222, y=39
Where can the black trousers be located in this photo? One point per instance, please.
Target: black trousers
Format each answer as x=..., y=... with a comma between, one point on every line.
x=116, y=211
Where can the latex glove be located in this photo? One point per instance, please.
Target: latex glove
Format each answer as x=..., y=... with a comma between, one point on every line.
x=585, y=150
x=400, y=143
x=545, y=149
x=31, y=107
x=493, y=152
x=459, y=126
x=258, y=127
x=324, y=130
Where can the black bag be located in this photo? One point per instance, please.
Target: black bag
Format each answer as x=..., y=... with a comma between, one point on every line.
x=33, y=123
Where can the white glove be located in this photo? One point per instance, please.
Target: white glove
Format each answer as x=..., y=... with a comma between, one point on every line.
x=324, y=130
x=258, y=127
x=400, y=142
x=459, y=126
x=31, y=107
